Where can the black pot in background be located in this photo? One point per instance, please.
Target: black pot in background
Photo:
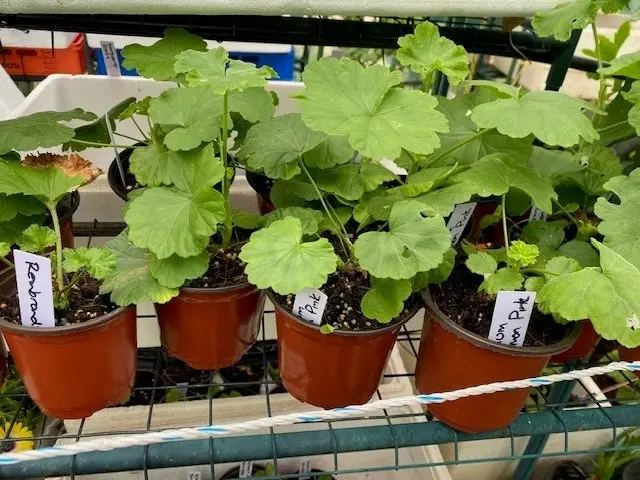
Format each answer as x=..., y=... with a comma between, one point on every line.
x=262, y=186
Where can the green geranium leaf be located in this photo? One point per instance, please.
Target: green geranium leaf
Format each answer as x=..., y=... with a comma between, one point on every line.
x=426, y=52
x=378, y=118
x=190, y=116
x=37, y=239
x=413, y=243
x=445, y=199
x=553, y=117
x=157, y=60
x=462, y=128
x=12, y=205
x=615, y=126
x=534, y=284
x=613, y=6
x=608, y=296
x=97, y=131
x=495, y=174
x=18, y=133
x=292, y=193
x=443, y=271
x=619, y=223
x=248, y=221
x=561, y=266
x=133, y=282
x=625, y=65
x=100, y=263
x=5, y=249
x=253, y=104
x=351, y=181
x=581, y=251
x=329, y=152
x=503, y=90
x=482, y=263
x=633, y=96
x=277, y=258
x=214, y=69
x=566, y=17
x=506, y=278
x=141, y=107
x=275, y=146
x=11, y=230
x=522, y=254
x=553, y=164
x=343, y=214
x=385, y=300
x=46, y=177
x=548, y=236
x=174, y=271
x=309, y=219
x=598, y=165
x=170, y=221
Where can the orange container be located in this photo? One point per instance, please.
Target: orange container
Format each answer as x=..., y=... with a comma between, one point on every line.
x=211, y=328
x=75, y=370
x=3, y=362
x=18, y=61
x=452, y=358
x=331, y=370
x=583, y=347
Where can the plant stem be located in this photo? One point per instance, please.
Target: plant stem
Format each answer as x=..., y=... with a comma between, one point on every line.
x=7, y=262
x=602, y=92
x=96, y=144
x=137, y=140
x=505, y=231
x=228, y=225
x=346, y=243
x=571, y=217
x=56, y=227
x=140, y=129
x=540, y=271
x=460, y=144
x=613, y=125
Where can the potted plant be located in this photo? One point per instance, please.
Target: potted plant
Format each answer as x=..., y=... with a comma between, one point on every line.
x=325, y=245
x=180, y=224
x=87, y=360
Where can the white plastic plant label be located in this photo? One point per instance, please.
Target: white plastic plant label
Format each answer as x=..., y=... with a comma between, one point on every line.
x=35, y=292
x=246, y=469
x=537, y=214
x=511, y=317
x=193, y=475
x=111, y=60
x=459, y=219
x=305, y=468
x=310, y=304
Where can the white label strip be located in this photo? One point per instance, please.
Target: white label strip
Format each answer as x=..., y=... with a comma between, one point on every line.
x=305, y=467
x=459, y=219
x=310, y=304
x=246, y=469
x=110, y=56
x=193, y=475
x=537, y=214
x=35, y=291
x=511, y=317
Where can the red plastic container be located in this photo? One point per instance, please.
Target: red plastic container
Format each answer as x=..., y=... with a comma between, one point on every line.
x=18, y=61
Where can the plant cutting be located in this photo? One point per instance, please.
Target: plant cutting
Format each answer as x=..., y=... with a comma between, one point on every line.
x=57, y=337
x=317, y=247
x=181, y=239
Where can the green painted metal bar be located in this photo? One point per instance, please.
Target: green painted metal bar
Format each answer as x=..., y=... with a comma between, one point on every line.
x=563, y=56
x=317, y=442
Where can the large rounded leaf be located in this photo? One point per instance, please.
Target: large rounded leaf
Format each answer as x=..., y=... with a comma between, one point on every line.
x=277, y=258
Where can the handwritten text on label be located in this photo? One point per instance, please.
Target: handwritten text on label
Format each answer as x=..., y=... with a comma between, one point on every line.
x=537, y=214
x=111, y=60
x=305, y=467
x=310, y=304
x=35, y=293
x=459, y=219
x=511, y=317
x=246, y=469
x=193, y=475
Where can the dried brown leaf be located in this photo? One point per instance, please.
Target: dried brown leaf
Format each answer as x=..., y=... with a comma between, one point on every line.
x=72, y=165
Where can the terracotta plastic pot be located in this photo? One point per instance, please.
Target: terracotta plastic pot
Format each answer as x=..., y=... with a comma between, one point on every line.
x=452, y=358
x=3, y=362
x=262, y=186
x=629, y=354
x=583, y=347
x=75, y=370
x=331, y=370
x=211, y=328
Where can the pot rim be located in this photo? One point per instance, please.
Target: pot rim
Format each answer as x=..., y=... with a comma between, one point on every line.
x=7, y=275
x=345, y=333
x=214, y=290
x=482, y=342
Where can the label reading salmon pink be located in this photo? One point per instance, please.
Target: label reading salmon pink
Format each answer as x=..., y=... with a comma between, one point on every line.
x=310, y=304
x=459, y=219
x=35, y=292
x=511, y=317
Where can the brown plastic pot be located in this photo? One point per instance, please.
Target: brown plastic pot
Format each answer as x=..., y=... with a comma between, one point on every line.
x=583, y=347
x=3, y=362
x=452, y=358
x=75, y=370
x=629, y=354
x=331, y=370
x=211, y=328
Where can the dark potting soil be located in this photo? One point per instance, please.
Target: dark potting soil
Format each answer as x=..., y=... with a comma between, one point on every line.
x=458, y=298
x=225, y=270
x=345, y=290
x=85, y=303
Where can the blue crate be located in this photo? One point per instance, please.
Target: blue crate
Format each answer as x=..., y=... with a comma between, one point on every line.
x=282, y=63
